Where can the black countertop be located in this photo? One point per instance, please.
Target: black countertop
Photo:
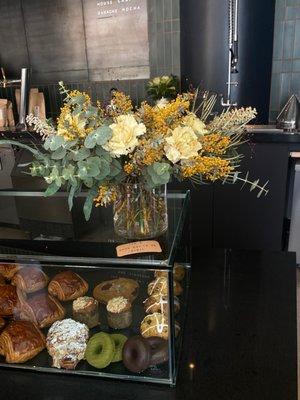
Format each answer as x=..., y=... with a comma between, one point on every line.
x=240, y=335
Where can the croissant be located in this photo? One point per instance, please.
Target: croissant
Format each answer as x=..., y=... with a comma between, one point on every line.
x=20, y=341
x=41, y=309
x=2, y=323
x=2, y=280
x=67, y=286
x=10, y=300
x=30, y=279
x=8, y=270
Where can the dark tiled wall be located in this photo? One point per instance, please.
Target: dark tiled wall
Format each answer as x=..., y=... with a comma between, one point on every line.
x=164, y=42
x=286, y=55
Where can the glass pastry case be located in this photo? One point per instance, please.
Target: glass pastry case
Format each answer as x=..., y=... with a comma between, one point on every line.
x=70, y=302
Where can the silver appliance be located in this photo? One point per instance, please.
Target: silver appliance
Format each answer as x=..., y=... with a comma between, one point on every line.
x=24, y=83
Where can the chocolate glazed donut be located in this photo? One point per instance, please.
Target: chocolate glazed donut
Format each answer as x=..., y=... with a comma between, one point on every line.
x=136, y=354
x=159, y=350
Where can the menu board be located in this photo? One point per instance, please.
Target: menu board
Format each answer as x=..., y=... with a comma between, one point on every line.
x=117, y=39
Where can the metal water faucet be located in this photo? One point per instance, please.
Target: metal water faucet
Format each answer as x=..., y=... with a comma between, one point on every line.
x=24, y=84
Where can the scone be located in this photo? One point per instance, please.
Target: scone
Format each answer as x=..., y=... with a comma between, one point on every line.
x=160, y=286
x=30, y=279
x=68, y=285
x=66, y=343
x=121, y=287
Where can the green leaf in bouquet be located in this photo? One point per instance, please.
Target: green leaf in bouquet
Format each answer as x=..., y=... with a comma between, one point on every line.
x=78, y=99
x=104, y=154
x=81, y=154
x=89, y=168
x=88, y=182
x=59, y=154
x=73, y=189
x=53, y=142
x=69, y=144
x=68, y=172
x=91, y=111
x=52, y=189
x=90, y=141
x=159, y=173
x=115, y=168
x=104, y=168
x=88, y=204
x=103, y=134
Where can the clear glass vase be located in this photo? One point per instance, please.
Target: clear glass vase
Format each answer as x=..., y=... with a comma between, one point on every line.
x=140, y=212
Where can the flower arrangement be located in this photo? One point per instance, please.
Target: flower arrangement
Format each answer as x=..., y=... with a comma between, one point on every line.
x=163, y=87
x=98, y=148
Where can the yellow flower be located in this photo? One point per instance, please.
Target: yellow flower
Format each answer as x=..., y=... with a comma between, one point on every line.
x=162, y=103
x=156, y=81
x=182, y=145
x=125, y=133
x=195, y=123
x=211, y=168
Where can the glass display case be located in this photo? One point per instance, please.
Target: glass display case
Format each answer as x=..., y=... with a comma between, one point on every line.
x=70, y=304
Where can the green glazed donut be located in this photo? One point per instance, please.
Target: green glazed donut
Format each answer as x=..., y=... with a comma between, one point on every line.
x=100, y=350
x=119, y=341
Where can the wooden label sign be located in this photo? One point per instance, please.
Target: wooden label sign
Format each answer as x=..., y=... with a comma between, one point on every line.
x=146, y=246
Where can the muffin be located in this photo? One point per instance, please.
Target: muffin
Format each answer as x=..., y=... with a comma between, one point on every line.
x=119, y=313
x=86, y=311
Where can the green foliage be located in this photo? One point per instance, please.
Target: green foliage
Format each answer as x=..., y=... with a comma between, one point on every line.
x=158, y=174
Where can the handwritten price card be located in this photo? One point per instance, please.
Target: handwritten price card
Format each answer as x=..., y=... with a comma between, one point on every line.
x=146, y=246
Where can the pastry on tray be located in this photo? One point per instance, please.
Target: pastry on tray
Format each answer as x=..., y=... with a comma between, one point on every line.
x=124, y=287
x=160, y=286
x=178, y=272
x=66, y=343
x=160, y=303
x=41, y=309
x=20, y=341
x=30, y=279
x=68, y=285
x=2, y=323
x=119, y=313
x=2, y=280
x=8, y=269
x=10, y=300
x=156, y=325
x=86, y=311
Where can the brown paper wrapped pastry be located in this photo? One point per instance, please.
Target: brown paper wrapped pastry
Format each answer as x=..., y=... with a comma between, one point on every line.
x=30, y=279
x=8, y=270
x=67, y=286
x=11, y=298
x=20, y=341
x=41, y=309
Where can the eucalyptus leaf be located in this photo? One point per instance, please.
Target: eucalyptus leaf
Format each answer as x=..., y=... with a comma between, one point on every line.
x=88, y=204
x=52, y=189
x=88, y=182
x=54, y=142
x=102, y=134
x=59, y=154
x=90, y=141
x=81, y=154
x=72, y=192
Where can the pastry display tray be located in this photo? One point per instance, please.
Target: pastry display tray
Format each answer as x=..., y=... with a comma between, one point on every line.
x=94, y=275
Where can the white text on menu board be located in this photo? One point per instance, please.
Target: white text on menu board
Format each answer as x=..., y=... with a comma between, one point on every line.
x=120, y=6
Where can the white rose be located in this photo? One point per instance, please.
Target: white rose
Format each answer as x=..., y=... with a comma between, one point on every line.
x=156, y=81
x=195, y=123
x=125, y=133
x=182, y=145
